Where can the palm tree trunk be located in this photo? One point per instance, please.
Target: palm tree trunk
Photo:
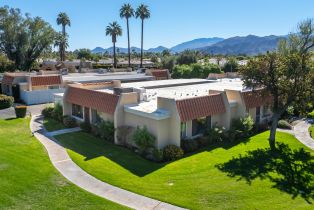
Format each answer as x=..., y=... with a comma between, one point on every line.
x=129, y=50
x=63, y=44
x=142, y=44
x=114, y=55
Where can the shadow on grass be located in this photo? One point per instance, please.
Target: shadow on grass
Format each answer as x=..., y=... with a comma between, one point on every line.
x=91, y=147
x=291, y=171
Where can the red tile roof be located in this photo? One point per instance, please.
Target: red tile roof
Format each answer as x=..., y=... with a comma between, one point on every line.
x=7, y=79
x=101, y=101
x=256, y=98
x=46, y=80
x=160, y=74
x=202, y=106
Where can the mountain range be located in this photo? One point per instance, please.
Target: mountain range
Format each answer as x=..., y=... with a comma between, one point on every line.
x=250, y=45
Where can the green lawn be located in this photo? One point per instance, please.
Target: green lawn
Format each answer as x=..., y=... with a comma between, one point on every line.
x=209, y=179
x=53, y=125
x=311, y=130
x=29, y=181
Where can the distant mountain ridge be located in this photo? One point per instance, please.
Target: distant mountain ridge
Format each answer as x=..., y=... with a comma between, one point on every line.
x=250, y=45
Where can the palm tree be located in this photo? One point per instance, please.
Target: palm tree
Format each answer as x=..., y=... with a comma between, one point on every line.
x=63, y=20
x=142, y=12
x=62, y=42
x=127, y=12
x=114, y=30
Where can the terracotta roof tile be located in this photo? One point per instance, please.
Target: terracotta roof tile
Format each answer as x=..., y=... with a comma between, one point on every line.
x=46, y=80
x=160, y=74
x=255, y=98
x=101, y=101
x=201, y=106
x=7, y=79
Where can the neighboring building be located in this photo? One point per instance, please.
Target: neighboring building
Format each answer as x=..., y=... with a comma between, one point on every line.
x=170, y=109
x=31, y=88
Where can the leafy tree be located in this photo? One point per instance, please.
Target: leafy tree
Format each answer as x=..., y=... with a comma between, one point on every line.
x=143, y=13
x=64, y=20
x=165, y=52
x=84, y=54
x=231, y=65
x=187, y=57
x=287, y=75
x=23, y=39
x=127, y=12
x=114, y=30
x=169, y=62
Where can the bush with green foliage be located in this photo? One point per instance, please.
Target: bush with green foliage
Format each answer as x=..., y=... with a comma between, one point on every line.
x=158, y=155
x=143, y=139
x=47, y=111
x=194, y=70
x=187, y=57
x=57, y=113
x=189, y=145
x=85, y=126
x=283, y=124
x=242, y=128
x=6, y=101
x=69, y=122
x=202, y=141
x=168, y=62
x=311, y=114
x=231, y=65
x=106, y=130
x=20, y=111
x=95, y=130
x=172, y=152
x=216, y=134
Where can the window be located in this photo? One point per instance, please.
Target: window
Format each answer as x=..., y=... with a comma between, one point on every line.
x=77, y=111
x=183, y=130
x=95, y=117
x=199, y=126
x=53, y=87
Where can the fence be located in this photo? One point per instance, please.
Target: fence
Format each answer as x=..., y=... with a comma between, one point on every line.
x=39, y=96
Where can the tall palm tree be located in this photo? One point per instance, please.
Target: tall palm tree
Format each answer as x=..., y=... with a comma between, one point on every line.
x=127, y=12
x=64, y=20
x=143, y=13
x=62, y=42
x=114, y=30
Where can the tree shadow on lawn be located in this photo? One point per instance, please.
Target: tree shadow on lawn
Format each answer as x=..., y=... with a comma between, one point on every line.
x=91, y=147
x=291, y=171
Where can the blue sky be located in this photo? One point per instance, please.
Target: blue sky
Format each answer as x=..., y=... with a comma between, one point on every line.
x=172, y=21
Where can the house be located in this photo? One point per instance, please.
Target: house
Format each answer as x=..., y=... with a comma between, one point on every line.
x=32, y=88
x=170, y=109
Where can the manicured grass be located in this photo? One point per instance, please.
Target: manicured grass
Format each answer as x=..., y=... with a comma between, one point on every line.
x=311, y=130
x=53, y=125
x=209, y=179
x=29, y=181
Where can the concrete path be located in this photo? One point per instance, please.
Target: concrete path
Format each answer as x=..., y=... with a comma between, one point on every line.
x=63, y=163
x=63, y=131
x=301, y=132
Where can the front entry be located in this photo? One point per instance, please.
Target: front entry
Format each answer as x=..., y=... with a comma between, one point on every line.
x=86, y=115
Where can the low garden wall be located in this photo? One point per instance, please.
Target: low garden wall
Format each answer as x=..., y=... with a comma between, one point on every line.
x=39, y=96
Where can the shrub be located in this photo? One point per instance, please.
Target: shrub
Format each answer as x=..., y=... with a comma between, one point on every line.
x=86, y=127
x=189, y=145
x=202, y=141
x=172, y=152
x=158, y=155
x=216, y=134
x=143, y=139
x=106, y=130
x=20, y=111
x=311, y=115
x=47, y=111
x=6, y=101
x=242, y=127
x=95, y=130
x=69, y=122
x=284, y=125
x=57, y=113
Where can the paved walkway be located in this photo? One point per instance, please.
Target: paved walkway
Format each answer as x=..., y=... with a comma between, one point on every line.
x=63, y=131
x=63, y=163
x=301, y=132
